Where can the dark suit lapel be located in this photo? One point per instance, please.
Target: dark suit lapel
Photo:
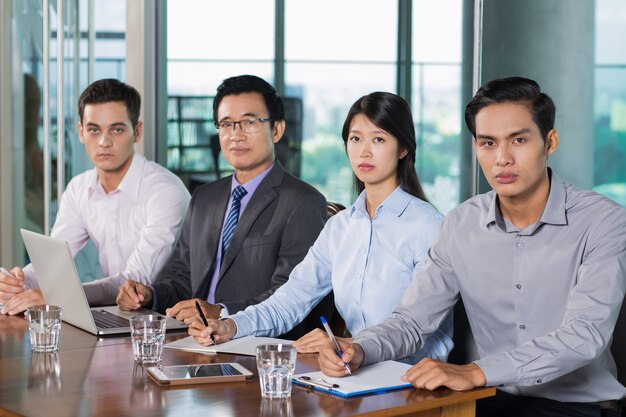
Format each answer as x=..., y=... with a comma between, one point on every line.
x=212, y=208
x=261, y=198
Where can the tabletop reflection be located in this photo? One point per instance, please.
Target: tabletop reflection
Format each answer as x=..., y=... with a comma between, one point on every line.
x=45, y=373
x=144, y=393
x=276, y=407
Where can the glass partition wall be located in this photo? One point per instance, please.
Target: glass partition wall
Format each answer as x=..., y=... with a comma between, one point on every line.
x=51, y=51
x=43, y=67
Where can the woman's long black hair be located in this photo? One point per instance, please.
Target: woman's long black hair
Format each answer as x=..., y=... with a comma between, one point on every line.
x=392, y=114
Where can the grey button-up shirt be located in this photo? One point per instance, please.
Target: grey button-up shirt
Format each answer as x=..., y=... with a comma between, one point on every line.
x=542, y=302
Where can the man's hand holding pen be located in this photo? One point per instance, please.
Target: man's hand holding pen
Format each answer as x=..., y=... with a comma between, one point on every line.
x=333, y=365
x=216, y=331
x=15, y=295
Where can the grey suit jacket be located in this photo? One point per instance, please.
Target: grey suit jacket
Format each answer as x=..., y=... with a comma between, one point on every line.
x=274, y=233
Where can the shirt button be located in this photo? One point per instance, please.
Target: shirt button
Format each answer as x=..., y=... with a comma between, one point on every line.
x=363, y=251
x=522, y=327
x=519, y=245
x=518, y=286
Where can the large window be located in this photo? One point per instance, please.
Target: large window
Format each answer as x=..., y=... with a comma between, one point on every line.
x=352, y=52
x=436, y=97
x=208, y=41
x=334, y=52
x=610, y=100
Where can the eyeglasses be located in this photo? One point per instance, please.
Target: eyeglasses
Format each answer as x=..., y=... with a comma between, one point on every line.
x=246, y=125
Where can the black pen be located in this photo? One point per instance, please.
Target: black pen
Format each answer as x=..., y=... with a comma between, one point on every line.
x=206, y=323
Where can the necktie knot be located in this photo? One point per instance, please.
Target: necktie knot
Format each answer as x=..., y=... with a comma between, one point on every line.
x=239, y=192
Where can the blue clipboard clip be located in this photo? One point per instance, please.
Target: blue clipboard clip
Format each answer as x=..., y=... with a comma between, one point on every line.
x=316, y=383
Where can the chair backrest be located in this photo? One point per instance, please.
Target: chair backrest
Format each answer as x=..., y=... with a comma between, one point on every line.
x=618, y=350
x=289, y=148
x=618, y=347
x=464, y=350
x=337, y=324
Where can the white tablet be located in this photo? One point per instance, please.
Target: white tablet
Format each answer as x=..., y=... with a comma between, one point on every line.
x=199, y=374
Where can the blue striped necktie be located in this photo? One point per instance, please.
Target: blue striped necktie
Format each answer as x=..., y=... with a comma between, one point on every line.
x=233, y=218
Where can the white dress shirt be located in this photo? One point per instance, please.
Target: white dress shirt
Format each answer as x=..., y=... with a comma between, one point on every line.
x=135, y=227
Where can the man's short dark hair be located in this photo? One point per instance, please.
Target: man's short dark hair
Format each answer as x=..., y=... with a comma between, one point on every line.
x=514, y=90
x=250, y=84
x=108, y=90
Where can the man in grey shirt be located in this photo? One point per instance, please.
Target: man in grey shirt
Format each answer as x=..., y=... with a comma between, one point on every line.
x=541, y=268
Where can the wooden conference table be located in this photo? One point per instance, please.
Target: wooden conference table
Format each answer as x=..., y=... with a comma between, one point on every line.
x=92, y=376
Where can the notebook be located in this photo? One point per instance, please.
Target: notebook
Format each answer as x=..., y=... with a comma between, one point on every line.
x=60, y=285
x=243, y=346
x=376, y=378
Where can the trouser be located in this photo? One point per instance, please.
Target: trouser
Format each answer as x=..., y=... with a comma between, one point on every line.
x=507, y=405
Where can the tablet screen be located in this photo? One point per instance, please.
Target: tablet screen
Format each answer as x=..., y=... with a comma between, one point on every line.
x=197, y=371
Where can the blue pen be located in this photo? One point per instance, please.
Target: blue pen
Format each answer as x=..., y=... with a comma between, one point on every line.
x=334, y=339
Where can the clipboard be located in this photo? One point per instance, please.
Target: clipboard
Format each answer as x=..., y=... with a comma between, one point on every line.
x=377, y=378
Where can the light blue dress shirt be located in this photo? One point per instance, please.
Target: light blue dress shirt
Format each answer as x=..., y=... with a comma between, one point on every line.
x=367, y=262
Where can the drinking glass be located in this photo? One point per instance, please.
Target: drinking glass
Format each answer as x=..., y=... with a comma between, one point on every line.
x=276, y=363
x=44, y=325
x=147, y=333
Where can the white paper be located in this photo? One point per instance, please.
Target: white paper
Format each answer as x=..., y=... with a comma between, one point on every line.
x=373, y=378
x=244, y=346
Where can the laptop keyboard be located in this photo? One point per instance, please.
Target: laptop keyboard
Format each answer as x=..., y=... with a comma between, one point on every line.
x=106, y=320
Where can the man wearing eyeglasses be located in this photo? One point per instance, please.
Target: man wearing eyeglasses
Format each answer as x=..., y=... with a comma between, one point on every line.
x=243, y=234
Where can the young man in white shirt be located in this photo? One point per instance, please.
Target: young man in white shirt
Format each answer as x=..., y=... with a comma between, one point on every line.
x=131, y=208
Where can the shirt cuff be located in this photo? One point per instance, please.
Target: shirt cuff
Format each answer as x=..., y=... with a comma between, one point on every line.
x=372, y=352
x=102, y=292
x=243, y=324
x=497, y=369
x=94, y=293
x=224, y=311
x=30, y=279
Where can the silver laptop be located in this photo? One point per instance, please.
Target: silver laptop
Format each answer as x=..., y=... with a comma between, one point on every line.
x=60, y=285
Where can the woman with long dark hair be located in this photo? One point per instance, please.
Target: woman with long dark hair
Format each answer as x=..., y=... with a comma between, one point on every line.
x=367, y=253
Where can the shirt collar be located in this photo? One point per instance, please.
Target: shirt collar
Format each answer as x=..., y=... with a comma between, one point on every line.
x=395, y=203
x=251, y=185
x=553, y=213
x=131, y=183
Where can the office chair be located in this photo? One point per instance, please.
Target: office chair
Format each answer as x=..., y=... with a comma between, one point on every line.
x=337, y=324
x=618, y=349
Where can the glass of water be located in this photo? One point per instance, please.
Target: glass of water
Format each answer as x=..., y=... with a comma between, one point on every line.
x=276, y=363
x=147, y=333
x=44, y=325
